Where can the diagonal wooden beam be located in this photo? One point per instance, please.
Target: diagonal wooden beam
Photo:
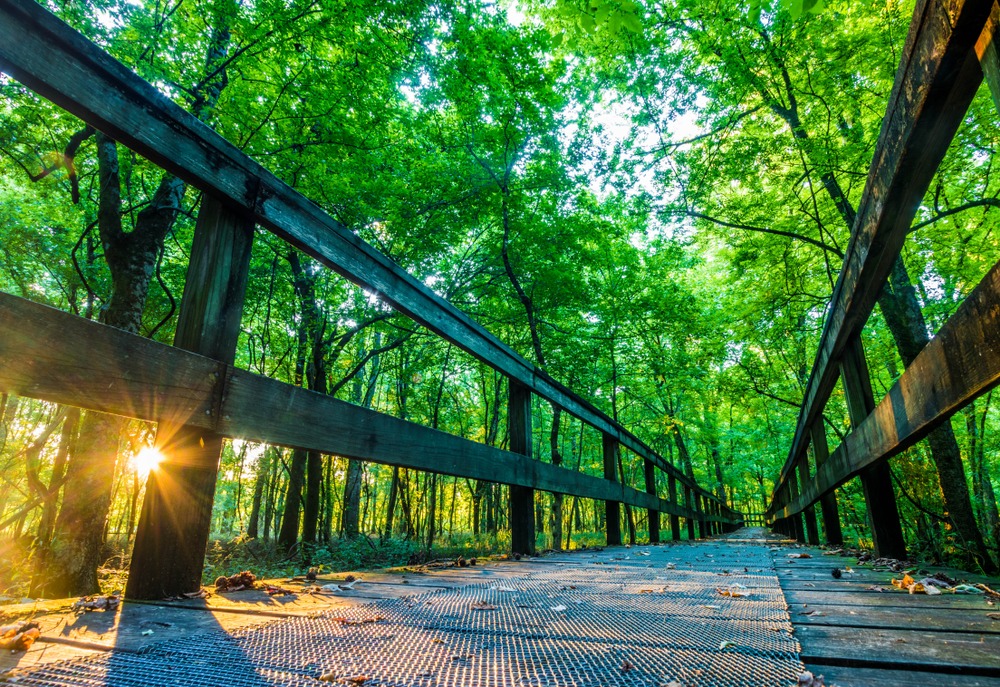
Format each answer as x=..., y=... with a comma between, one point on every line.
x=42, y=355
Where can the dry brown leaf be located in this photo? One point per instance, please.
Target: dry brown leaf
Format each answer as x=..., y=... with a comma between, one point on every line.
x=20, y=638
x=799, y=555
x=482, y=606
x=359, y=621
x=730, y=592
x=627, y=667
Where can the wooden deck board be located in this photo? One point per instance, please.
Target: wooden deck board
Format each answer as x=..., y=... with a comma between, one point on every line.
x=860, y=630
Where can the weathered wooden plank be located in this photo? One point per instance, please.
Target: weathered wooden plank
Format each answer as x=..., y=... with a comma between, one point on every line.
x=258, y=409
x=959, y=364
x=828, y=502
x=816, y=596
x=612, y=513
x=941, y=619
x=873, y=677
x=120, y=373
x=937, y=78
x=43, y=355
x=971, y=653
x=48, y=56
x=168, y=557
x=521, y=501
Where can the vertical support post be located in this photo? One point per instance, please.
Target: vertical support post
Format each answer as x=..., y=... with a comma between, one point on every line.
x=521, y=499
x=169, y=552
x=793, y=493
x=690, y=519
x=700, y=519
x=652, y=514
x=675, y=521
x=812, y=534
x=612, y=509
x=887, y=531
x=828, y=504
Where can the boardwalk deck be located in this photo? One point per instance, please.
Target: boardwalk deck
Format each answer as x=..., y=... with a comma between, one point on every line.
x=859, y=630
x=646, y=615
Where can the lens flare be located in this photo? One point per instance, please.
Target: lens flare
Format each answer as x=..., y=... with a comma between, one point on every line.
x=146, y=460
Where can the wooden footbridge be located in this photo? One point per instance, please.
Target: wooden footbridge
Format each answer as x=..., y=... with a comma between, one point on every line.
x=638, y=620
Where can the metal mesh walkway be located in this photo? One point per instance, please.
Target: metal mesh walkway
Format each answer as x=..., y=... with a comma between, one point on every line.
x=650, y=615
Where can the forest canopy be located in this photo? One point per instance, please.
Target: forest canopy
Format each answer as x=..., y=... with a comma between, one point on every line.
x=650, y=201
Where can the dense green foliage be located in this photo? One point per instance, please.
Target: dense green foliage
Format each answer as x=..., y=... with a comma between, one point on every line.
x=633, y=195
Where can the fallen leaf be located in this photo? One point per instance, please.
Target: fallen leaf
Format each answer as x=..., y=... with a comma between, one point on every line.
x=482, y=606
x=146, y=633
x=725, y=645
x=994, y=616
x=359, y=621
x=18, y=637
x=560, y=608
x=799, y=555
x=967, y=589
x=626, y=667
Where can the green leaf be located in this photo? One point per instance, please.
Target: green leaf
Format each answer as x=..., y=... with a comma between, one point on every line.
x=632, y=23
x=587, y=23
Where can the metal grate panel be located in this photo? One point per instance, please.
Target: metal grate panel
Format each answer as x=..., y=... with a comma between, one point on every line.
x=566, y=622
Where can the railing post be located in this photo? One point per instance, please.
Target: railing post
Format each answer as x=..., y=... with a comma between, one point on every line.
x=793, y=493
x=612, y=509
x=652, y=514
x=690, y=507
x=522, y=499
x=812, y=534
x=675, y=520
x=828, y=503
x=169, y=553
x=700, y=519
x=887, y=531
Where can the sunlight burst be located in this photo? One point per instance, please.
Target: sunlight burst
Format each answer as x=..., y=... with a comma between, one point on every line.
x=146, y=460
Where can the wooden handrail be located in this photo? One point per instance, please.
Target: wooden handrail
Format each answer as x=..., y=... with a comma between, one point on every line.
x=48, y=56
x=938, y=76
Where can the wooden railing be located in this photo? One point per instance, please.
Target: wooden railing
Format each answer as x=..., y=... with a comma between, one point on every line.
x=198, y=396
x=949, y=46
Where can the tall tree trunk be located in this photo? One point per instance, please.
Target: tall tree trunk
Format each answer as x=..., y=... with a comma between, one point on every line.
x=263, y=475
x=289, y=532
x=390, y=508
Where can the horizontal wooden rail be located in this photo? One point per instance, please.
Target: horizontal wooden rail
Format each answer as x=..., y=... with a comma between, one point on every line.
x=959, y=364
x=48, y=56
x=42, y=356
x=937, y=79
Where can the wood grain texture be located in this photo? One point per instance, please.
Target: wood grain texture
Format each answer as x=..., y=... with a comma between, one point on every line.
x=61, y=358
x=48, y=56
x=937, y=78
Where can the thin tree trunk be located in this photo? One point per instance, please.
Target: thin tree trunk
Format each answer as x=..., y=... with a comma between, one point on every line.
x=289, y=532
